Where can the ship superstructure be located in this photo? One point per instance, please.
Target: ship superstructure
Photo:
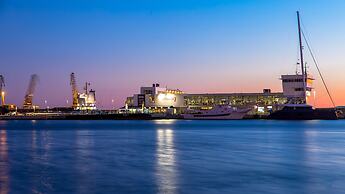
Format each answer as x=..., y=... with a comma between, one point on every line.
x=82, y=101
x=297, y=88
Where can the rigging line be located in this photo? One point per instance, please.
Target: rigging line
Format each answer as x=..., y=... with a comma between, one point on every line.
x=318, y=69
x=306, y=36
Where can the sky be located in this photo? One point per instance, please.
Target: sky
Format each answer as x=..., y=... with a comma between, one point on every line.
x=198, y=46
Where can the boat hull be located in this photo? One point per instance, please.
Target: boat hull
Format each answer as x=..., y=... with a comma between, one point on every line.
x=304, y=114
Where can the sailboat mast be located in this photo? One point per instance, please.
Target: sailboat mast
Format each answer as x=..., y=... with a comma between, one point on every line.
x=300, y=43
x=301, y=55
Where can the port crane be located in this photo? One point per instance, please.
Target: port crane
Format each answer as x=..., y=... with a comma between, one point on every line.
x=30, y=92
x=75, y=92
x=2, y=92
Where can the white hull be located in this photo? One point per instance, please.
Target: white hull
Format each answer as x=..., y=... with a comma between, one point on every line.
x=218, y=113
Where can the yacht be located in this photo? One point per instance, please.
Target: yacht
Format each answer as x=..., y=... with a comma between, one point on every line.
x=219, y=112
x=298, y=88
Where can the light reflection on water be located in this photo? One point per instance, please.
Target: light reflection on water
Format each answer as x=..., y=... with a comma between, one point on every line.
x=4, y=166
x=164, y=121
x=84, y=144
x=41, y=179
x=33, y=140
x=166, y=164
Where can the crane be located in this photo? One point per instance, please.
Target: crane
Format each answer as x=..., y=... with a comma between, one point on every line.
x=30, y=92
x=2, y=92
x=75, y=94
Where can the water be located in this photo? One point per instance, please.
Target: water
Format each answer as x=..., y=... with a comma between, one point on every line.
x=172, y=157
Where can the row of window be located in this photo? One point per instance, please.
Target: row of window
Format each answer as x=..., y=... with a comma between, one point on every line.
x=302, y=89
x=148, y=92
x=293, y=80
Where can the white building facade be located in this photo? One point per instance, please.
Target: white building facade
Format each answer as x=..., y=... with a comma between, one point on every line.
x=160, y=99
x=156, y=97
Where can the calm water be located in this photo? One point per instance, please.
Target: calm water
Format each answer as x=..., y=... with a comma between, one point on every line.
x=172, y=157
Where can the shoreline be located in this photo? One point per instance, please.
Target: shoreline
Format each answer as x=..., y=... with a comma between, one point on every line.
x=123, y=117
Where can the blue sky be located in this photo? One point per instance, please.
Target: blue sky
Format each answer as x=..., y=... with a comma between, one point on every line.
x=194, y=45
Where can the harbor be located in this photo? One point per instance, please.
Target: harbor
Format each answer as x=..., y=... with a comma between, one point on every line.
x=172, y=97
x=156, y=102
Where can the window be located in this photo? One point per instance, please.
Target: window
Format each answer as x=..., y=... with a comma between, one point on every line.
x=302, y=89
x=293, y=80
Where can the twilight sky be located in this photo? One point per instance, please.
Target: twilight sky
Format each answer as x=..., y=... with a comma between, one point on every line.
x=197, y=46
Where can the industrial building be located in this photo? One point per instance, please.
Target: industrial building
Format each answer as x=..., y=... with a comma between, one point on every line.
x=156, y=99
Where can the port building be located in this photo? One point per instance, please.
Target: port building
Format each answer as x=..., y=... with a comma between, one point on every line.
x=156, y=99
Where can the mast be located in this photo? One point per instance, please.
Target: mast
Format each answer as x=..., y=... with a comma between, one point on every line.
x=300, y=42
x=301, y=56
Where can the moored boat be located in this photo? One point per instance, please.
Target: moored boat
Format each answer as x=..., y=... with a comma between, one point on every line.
x=298, y=89
x=304, y=112
x=219, y=112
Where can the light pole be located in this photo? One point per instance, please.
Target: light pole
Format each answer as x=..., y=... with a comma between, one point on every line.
x=45, y=104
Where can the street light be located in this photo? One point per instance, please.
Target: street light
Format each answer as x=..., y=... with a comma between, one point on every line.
x=2, y=98
x=45, y=104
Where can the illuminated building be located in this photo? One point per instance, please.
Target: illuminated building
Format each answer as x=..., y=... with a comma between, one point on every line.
x=261, y=103
x=157, y=99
